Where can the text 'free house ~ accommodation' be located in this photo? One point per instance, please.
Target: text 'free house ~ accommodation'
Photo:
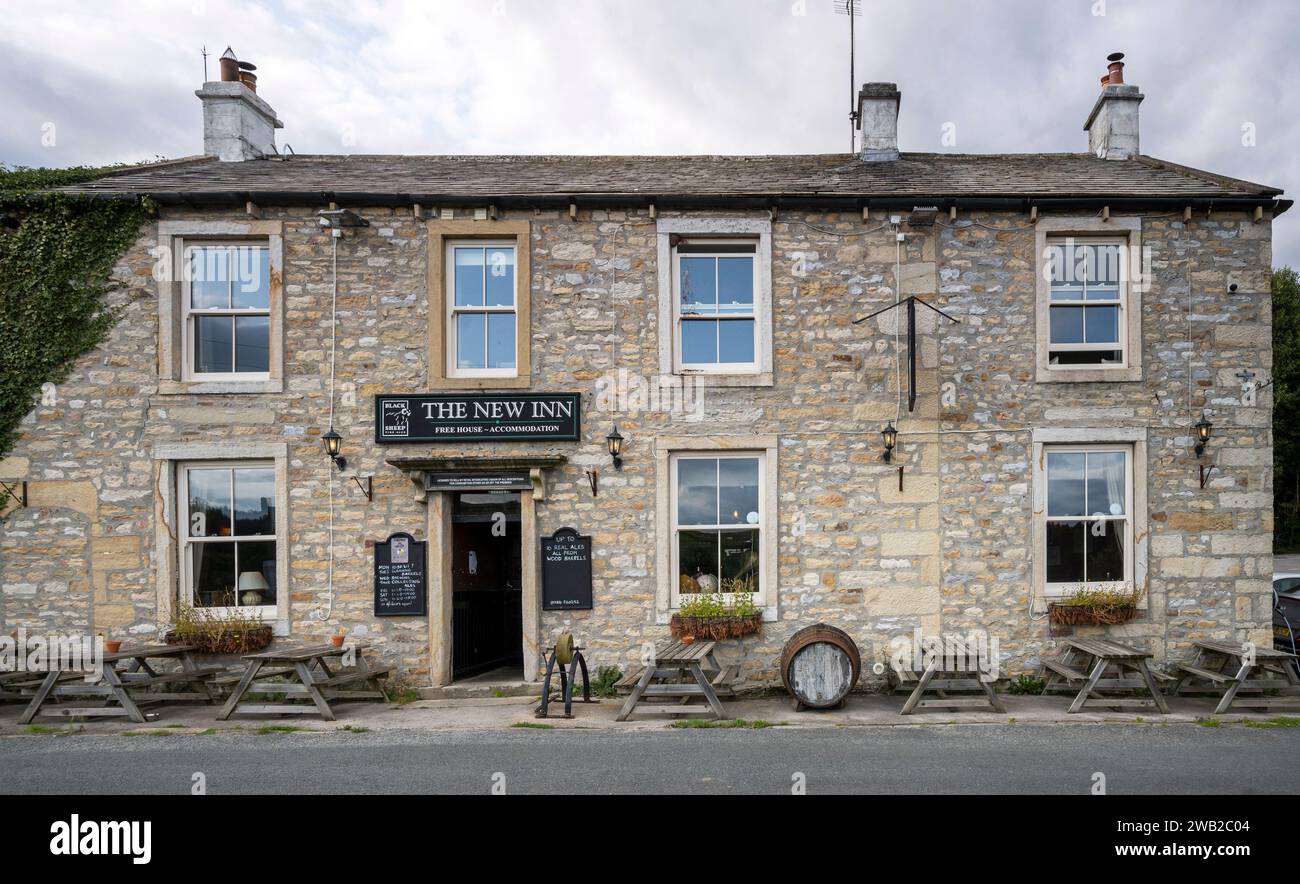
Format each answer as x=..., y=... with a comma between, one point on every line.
x=571, y=393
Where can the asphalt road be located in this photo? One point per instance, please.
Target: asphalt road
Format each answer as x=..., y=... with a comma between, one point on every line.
x=976, y=760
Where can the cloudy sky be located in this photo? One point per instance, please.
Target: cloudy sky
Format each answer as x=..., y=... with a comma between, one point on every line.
x=106, y=81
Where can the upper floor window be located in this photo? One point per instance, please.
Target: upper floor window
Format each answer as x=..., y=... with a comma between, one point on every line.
x=716, y=327
x=1087, y=322
x=226, y=312
x=482, y=312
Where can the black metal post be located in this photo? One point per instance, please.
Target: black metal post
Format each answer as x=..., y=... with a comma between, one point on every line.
x=911, y=354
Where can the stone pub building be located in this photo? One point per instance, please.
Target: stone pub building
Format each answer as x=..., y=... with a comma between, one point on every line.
x=473, y=328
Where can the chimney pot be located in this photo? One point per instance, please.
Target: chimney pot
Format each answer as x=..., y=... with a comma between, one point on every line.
x=229, y=66
x=878, y=121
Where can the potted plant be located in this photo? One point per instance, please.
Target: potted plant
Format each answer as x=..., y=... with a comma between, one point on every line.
x=718, y=615
x=339, y=636
x=1106, y=607
x=219, y=632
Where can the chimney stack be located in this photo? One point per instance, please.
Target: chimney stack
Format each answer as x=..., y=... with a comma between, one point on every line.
x=237, y=124
x=1112, y=126
x=878, y=121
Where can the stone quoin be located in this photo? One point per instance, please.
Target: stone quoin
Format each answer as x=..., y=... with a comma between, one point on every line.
x=1050, y=446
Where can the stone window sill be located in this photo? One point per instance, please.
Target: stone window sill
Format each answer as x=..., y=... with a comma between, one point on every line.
x=1088, y=375
x=182, y=388
x=706, y=379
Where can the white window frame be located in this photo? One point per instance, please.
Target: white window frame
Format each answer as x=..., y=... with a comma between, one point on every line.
x=1127, y=231
x=1133, y=439
x=189, y=325
x=453, y=310
x=266, y=612
x=665, y=447
x=680, y=366
x=667, y=230
x=674, y=460
x=1120, y=301
x=1063, y=589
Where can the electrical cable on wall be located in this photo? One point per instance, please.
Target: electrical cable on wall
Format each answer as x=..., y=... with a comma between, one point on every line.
x=334, y=323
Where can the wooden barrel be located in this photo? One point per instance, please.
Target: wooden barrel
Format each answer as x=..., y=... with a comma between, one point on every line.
x=819, y=666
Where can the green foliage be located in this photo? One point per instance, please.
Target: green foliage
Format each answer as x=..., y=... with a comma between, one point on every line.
x=217, y=630
x=1102, y=599
x=1276, y=721
x=1286, y=408
x=713, y=606
x=54, y=279
x=603, y=683
x=1026, y=684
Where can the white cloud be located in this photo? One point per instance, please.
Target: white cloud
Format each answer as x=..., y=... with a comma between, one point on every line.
x=669, y=76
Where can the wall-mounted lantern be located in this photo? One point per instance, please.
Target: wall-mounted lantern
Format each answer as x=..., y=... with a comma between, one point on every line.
x=1202, y=428
x=890, y=436
x=615, y=442
x=333, y=445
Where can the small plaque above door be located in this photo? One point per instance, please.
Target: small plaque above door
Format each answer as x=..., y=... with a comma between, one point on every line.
x=477, y=481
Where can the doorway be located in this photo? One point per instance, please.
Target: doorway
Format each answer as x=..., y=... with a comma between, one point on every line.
x=487, y=585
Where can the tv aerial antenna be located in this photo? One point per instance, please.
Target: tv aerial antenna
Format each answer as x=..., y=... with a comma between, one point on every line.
x=852, y=9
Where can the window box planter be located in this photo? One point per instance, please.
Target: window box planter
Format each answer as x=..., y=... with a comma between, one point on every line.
x=1103, y=607
x=716, y=628
x=235, y=641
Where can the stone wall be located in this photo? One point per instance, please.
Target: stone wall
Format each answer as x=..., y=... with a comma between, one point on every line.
x=951, y=551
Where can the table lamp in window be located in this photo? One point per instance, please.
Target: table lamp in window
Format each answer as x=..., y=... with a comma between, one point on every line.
x=251, y=586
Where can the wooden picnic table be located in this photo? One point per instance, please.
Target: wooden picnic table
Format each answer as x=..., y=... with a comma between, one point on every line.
x=123, y=691
x=311, y=678
x=1212, y=669
x=1086, y=661
x=679, y=672
x=958, y=668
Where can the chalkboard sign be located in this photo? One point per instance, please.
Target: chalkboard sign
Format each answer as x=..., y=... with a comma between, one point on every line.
x=566, y=571
x=401, y=577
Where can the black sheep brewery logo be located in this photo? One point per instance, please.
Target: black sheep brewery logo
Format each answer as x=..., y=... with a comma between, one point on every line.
x=395, y=419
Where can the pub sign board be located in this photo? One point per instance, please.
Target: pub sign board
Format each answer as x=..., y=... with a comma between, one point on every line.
x=566, y=571
x=479, y=417
x=401, y=577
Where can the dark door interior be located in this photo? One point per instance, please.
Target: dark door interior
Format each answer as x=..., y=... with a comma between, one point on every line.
x=487, y=591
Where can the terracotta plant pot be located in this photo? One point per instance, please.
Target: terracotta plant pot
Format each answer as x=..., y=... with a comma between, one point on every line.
x=688, y=639
x=338, y=640
x=112, y=647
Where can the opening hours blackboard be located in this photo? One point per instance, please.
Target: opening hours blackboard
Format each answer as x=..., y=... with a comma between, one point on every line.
x=566, y=571
x=401, y=577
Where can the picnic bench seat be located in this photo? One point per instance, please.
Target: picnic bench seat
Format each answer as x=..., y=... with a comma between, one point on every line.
x=1230, y=670
x=1082, y=669
x=721, y=681
x=681, y=672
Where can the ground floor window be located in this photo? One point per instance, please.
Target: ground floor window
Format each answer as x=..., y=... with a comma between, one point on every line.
x=718, y=524
x=228, y=535
x=1088, y=518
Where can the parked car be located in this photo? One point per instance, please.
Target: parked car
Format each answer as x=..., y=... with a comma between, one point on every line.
x=1286, y=613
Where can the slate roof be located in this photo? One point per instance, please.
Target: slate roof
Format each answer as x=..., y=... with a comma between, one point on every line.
x=815, y=177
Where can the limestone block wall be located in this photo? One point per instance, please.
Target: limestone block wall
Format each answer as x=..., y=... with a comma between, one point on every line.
x=951, y=551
